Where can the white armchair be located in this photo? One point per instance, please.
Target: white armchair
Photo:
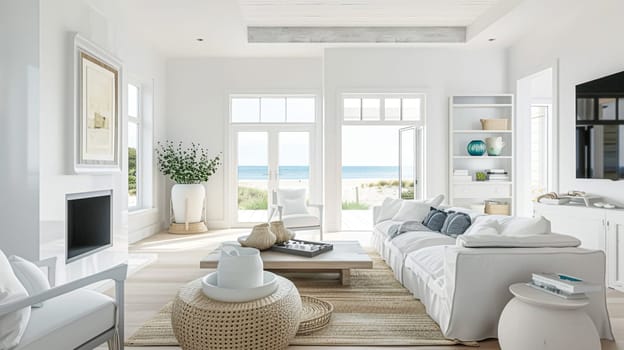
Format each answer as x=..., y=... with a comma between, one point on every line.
x=72, y=316
x=291, y=207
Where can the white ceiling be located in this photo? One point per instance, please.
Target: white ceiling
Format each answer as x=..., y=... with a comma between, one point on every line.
x=172, y=26
x=363, y=12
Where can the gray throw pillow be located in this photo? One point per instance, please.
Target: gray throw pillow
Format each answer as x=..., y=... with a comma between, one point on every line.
x=455, y=224
x=435, y=219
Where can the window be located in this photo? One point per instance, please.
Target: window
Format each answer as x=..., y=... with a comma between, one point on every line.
x=273, y=109
x=386, y=107
x=134, y=149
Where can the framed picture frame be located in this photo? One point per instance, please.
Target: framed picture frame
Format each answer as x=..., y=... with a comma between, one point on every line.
x=97, y=113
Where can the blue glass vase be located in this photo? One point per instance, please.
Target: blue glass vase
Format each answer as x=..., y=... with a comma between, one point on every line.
x=476, y=148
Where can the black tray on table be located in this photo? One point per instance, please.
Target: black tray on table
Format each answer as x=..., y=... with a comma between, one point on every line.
x=290, y=247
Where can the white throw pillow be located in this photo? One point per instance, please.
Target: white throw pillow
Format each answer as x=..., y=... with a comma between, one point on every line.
x=483, y=227
x=31, y=277
x=519, y=226
x=389, y=208
x=412, y=210
x=435, y=201
x=293, y=201
x=13, y=325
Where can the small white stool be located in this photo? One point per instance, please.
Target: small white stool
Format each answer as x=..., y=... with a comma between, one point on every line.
x=538, y=320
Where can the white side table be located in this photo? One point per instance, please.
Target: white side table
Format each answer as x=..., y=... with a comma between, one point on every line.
x=538, y=320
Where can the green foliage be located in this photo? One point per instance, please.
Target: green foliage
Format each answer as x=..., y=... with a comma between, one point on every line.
x=347, y=205
x=189, y=165
x=407, y=194
x=132, y=171
x=390, y=183
x=481, y=176
x=252, y=199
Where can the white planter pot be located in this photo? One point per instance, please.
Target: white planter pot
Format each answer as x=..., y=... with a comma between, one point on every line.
x=188, y=202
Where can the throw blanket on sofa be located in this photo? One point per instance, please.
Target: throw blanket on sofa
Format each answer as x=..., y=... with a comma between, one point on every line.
x=407, y=226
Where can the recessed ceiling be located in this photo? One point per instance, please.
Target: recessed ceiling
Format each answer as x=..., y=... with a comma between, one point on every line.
x=172, y=27
x=363, y=12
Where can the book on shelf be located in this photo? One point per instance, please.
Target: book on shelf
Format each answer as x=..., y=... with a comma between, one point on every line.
x=565, y=283
x=460, y=172
x=555, y=291
x=496, y=171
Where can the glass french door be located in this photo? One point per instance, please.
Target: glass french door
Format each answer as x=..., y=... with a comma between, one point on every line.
x=268, y=158
x=410, y=163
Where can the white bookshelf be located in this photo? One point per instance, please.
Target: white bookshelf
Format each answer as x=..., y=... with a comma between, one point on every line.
x=465, y=112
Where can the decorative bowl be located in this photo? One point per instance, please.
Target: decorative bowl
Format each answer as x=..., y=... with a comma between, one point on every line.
x=476, y=148
x=213, y=291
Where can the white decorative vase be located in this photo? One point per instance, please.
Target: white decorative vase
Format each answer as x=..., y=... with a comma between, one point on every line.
x=188, y=202
x=494, y=145
x=239, y=267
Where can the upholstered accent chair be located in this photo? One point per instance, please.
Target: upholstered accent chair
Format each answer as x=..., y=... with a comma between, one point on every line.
x=67, y=316
x=292, y=208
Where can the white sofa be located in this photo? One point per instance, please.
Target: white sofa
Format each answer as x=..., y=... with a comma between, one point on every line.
x=465, y=289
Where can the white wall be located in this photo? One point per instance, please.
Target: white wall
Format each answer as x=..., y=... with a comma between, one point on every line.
x=19, y=127
x=438, y=72
x=39, y=55
x=198, y=106
x=586, y=46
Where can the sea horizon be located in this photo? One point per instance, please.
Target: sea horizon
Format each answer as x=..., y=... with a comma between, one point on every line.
x=257, y=172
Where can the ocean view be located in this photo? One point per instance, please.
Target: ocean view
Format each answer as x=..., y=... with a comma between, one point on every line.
x=302, y=172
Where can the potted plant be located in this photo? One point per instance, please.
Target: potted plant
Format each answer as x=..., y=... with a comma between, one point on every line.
x=188, y=167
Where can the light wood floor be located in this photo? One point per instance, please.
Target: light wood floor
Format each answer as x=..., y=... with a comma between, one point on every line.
x=178, y=263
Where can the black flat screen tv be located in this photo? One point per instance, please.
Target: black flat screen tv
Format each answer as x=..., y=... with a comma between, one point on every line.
x=600, y=128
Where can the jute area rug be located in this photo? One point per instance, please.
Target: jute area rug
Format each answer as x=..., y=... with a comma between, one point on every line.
x=374, y=310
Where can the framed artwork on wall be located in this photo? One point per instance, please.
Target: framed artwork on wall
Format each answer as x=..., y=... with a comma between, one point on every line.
x=97, y=99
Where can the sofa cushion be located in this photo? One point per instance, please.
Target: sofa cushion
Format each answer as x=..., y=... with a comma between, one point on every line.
x=483, y=227
x=389, y=208
x=552, y=240
x=412, y=211
x=13, y=325
x=293, y=200
x=455, y=224
x=31, y=277
x=435, y=219
x=520, y=226
x=69, y=321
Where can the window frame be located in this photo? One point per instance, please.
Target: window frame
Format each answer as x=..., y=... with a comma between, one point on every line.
x=382, y=108
x=139, y=149
x=313, y=97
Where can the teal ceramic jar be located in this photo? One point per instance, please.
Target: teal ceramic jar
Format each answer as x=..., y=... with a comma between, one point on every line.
x=476, y=148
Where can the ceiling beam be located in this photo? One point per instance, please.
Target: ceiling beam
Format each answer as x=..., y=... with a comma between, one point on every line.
x=356, y=34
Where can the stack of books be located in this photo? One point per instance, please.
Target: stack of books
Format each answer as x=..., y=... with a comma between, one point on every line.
x=461, y=175
x=561, y=285
x=497, y=175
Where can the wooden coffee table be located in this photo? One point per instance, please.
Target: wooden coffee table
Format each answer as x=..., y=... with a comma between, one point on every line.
x=345, y=256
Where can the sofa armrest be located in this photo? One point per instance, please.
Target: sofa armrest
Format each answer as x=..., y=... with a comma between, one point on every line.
x=376, y=212
x=319, y=207
x=479, y=279
x=117, y=273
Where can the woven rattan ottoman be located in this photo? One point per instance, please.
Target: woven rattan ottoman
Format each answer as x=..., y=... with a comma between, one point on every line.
x=200, y=323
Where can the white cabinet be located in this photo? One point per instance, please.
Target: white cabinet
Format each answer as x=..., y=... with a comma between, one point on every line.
x=601, y=229
x=614, y=222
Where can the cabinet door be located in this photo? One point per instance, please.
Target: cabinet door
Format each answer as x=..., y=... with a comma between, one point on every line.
x=584, y=223
x=615, y=249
